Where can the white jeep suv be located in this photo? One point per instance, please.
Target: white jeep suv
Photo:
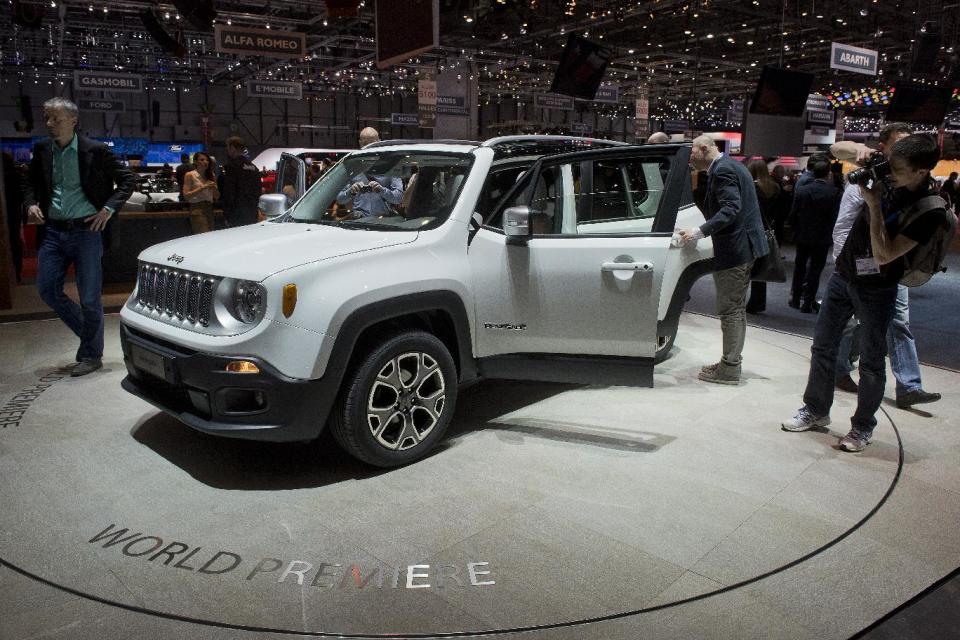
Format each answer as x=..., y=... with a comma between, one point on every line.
x=366, y=307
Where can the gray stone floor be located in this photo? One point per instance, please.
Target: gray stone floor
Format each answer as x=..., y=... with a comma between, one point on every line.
x=628, y=507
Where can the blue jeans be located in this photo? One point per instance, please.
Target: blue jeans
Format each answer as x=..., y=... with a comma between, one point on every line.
x=903, y=349
x=844, y=366
x=900, y=345
x=874, y=308
x=82, y=248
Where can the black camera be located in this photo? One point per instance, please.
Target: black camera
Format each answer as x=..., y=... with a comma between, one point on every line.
x=876, y=169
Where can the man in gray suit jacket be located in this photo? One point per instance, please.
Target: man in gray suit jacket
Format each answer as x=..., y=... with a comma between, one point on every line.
x=734, y=223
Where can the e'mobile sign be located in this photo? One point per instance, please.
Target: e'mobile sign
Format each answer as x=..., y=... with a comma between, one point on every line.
x=855, y=59
x=274, y=89
x=102, y=81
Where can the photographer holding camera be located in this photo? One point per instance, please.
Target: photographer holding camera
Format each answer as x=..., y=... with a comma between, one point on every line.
x=372, y=196
x=869, y=269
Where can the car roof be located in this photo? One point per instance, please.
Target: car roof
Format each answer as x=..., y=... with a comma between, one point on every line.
x=270, y=157
x=504, y=146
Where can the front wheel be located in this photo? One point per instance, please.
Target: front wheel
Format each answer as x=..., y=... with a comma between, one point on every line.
x=397, y=402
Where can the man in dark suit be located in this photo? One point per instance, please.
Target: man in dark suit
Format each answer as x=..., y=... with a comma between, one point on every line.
x=736, y=227
x=71, y=190
x=814, y=213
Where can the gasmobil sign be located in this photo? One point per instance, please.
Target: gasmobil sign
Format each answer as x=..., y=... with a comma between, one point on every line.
x=855, y=59
x=102, y=81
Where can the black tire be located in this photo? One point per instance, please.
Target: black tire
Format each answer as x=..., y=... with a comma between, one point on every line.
x=381, y=420
x=664, y=346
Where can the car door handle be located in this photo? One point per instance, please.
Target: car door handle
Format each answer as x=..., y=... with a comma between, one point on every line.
x=626, y=266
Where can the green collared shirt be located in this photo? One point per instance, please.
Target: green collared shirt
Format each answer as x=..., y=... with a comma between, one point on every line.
x=68, y=200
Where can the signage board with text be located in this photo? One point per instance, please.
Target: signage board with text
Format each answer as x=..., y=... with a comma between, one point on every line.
x=101, y=105
x=405, y=119
x=548, y=101
x=260, y=42
x=105, y=81
x=856, y=59
x=275, y=89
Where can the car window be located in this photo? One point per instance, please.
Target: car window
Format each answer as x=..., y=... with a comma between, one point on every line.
x=389, y=190
x=499, y=182
x=624, y=196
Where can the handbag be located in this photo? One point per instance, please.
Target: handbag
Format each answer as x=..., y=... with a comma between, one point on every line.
x=769, y=268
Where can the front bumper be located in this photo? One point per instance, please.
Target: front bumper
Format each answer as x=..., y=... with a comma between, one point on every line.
x=195, y=388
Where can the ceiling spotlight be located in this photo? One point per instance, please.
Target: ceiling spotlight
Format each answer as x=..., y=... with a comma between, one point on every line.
x=467, y=19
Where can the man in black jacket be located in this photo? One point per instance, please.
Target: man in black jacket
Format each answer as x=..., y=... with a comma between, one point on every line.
x=239, y=185
x=736, y=227
x=814, y=213
x=71, y=189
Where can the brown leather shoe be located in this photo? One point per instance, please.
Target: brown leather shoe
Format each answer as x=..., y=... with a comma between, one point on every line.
x=847, y=384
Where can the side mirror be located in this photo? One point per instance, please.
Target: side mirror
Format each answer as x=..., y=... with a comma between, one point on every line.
x=273, y=204
x=516, y=223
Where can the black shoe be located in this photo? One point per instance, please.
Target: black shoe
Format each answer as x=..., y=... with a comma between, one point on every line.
x=847, y=384
x=813, y=307
x=919, y=396
x=755, y=311
x=87, y=365
x=795, y=304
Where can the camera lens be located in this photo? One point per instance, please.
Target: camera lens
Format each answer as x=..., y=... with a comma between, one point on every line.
x=859, y=176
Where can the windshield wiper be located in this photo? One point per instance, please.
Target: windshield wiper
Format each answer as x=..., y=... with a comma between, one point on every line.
x=358, y=224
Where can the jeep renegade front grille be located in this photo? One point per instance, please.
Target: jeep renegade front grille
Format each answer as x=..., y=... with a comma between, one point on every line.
x=183, y=295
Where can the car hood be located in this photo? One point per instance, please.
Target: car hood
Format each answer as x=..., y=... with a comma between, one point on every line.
x=256, y=251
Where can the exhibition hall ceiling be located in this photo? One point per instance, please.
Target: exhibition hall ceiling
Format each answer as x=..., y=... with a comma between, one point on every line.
x=685, y=52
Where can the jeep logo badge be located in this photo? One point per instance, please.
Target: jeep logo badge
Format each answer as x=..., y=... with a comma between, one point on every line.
x=175, y=258
x=504, y=326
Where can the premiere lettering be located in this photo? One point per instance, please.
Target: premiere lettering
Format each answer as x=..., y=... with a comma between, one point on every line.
x=317, y=575
x=12, y=411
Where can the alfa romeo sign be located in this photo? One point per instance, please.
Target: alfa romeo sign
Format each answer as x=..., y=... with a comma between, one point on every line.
x=263, y=42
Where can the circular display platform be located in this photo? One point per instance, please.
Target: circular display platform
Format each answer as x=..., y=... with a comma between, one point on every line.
x=546, y=505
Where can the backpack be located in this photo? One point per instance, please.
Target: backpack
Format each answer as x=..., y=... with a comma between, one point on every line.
x=921, y=262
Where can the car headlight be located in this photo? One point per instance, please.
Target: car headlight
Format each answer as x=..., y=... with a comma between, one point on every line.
x=249, y=301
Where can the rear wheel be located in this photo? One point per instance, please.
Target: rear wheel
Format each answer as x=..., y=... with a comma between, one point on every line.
x=398, y=401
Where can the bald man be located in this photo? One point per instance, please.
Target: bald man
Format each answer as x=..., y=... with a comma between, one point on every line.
x=733, y=221
x=658, y=138
x=369, y=135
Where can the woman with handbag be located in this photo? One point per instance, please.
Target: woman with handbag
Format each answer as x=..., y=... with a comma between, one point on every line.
x=768, y=194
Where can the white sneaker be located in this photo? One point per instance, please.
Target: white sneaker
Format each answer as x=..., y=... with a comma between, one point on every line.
x=804, y=421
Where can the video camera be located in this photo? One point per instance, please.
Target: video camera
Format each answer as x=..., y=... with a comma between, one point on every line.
x=876, y=169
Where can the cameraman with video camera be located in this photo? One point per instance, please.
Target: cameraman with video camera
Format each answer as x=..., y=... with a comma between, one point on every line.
x=865, y=283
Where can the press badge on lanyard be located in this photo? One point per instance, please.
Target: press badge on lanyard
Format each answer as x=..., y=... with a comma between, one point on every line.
x=867, y=266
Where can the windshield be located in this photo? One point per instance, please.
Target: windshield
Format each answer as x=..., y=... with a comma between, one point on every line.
x=396, y=190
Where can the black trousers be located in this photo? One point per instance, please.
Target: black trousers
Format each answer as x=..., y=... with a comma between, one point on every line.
x=806, y=273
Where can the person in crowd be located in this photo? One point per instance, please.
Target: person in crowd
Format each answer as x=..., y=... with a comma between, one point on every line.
x=807, y=174
x=736, y=227
x=768, y=191
x=658, y=138
x=901, y=345
x=784, y=201
x=865, y=283
x=166, y=171
x=182, y=170
x=14, y=199
x=239, y=185
x=813, y=216
x=74, y=187
x=200, y=190
x=948, y=190
x=371, y=195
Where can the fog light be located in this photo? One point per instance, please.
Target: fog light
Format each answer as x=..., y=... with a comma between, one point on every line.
x=242, y=366
x=289, y=300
